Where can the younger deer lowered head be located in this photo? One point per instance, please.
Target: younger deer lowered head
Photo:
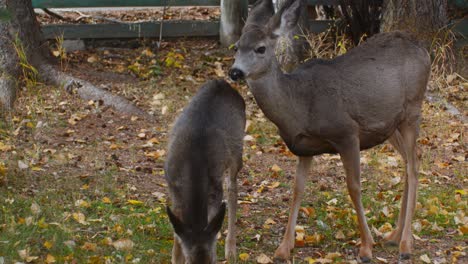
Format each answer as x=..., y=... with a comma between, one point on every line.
x=205, y=142
x=356, y=101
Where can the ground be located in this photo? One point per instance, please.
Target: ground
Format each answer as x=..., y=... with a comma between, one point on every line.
x=81, y=183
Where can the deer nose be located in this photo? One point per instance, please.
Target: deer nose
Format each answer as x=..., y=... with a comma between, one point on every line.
x=236, y=74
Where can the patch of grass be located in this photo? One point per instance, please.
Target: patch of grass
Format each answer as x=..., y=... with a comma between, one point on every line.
x=56, y=224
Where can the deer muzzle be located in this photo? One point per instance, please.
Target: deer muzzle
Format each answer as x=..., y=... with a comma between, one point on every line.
x=236, y=74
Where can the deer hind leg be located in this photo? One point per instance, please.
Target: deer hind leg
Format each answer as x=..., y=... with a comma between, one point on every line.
x=230, y=248
x=177, y=254
x=409, y=132
x=394, y=237
x=287, y=244
x=350, y=156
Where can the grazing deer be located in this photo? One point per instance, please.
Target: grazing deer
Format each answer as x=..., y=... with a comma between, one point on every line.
x=205, y=142
x=356, y=101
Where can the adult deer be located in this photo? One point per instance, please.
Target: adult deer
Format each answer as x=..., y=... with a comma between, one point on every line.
x=356, y=101
x=205, y=142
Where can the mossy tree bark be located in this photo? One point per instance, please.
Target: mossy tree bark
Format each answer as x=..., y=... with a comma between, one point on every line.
x=423, y=18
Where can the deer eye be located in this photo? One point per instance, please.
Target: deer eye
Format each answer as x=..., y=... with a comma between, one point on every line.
x=235, y=48
x=260, y=50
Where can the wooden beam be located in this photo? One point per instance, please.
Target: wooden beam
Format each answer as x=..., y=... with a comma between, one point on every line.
x=134, y=30
x=142, y=3
x=120, y=3
x=187, y=28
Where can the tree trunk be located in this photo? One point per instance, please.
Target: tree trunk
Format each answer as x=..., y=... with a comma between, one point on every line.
x=420, y=17
x=9, y=69
x=233, y=15
x=23, y=27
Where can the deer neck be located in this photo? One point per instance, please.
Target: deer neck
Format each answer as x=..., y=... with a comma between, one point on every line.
x=274, y=92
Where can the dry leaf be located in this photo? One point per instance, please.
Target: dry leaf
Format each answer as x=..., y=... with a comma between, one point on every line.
x=339, y=235
x=425, y=258
x=219, y=69
x=35, y=208
x=50, y=259
x=244, y=256
x=80, y=218
x=276, y=168
x=123, y=244
x=89, y=246
x=135, y=202
x=263, y=259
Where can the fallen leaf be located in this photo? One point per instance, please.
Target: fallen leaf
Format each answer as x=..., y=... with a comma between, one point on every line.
x=135, y=202
x=50, y=259
x=276, y=168
x=339, y=235
x=92, y=59
x=123, y=244
x=106, y=200
x=219, y=69
x=35, y=208
x=89, y=246
x=382, y=260
x=425, y=258
x=263, y=259
x=80, y=218
x=244, y=256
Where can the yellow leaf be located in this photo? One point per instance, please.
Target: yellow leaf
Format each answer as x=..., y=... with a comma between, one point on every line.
x=135, y=202
x=463, y=229
x=313, y=239
x=333, y=255
x=2, y=169
x=385, y=228
x=42, y=223
x=310, y=260
x=274, y=185
x=114, y=146
x=80, y=218
x=106, y=200
x=276, y=168
x=244, y=256
x=268, y=223
x=48, y=244
x=4, y=147
x=461, y=192
x=50, y=259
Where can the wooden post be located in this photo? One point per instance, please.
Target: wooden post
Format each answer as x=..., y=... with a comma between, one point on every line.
x=233, y=15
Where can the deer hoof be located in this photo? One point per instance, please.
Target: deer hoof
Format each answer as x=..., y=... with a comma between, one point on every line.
x=277, y=260
x=282, y=253
x=405, y=256
x=365, y=260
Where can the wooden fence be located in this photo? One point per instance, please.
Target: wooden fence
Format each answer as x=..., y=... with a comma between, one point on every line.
x=171, y=28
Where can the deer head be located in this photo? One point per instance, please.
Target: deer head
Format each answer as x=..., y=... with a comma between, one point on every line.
x=255, y=51
x=198, y=246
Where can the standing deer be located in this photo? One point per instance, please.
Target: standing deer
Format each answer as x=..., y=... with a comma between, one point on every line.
x=205, y=142
x=354, y=102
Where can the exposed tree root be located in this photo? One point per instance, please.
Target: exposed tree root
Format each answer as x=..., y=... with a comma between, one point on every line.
x=87, y=91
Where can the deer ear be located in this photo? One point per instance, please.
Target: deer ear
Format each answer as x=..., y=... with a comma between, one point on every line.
x=217, y=222
x=176, y=223
x=286, y=19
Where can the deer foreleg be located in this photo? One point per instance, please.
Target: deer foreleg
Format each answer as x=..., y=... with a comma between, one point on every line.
x=287, y=244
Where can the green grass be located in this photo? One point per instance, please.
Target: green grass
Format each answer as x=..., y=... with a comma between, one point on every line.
x=54, y=230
